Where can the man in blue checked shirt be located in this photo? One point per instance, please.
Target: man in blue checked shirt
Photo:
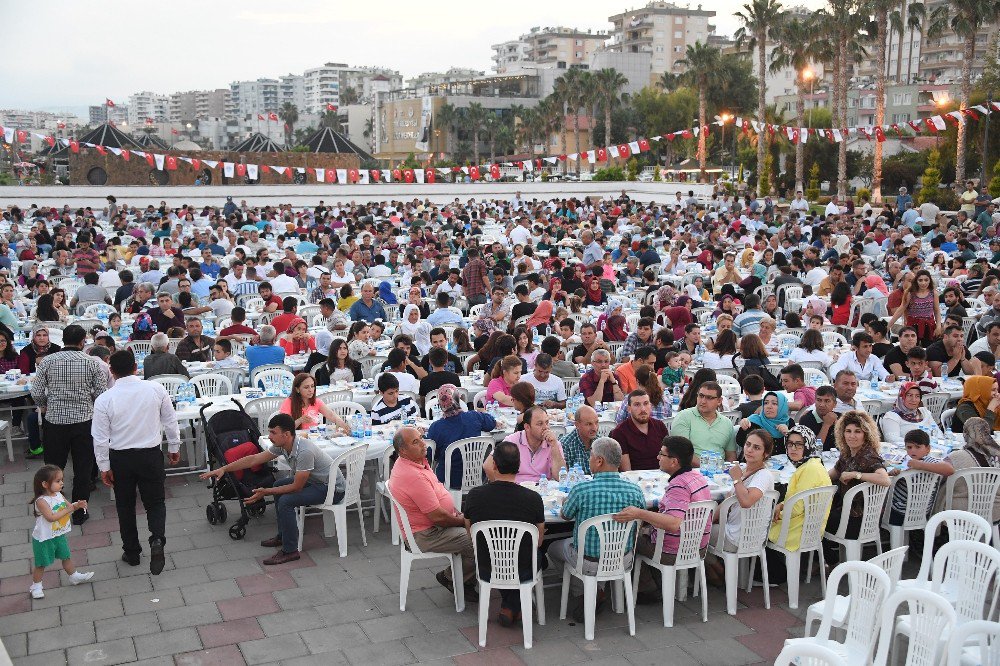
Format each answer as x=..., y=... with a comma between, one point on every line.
x=607, y=493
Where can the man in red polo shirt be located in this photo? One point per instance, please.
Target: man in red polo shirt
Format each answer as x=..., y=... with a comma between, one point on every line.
x=640, y=435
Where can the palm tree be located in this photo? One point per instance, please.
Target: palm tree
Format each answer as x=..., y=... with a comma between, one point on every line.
x=701, y=62
x=668, y=81
x=881, y=30
x=607, y=94
x=565, y=95
x=329, y=119
x=445, y=119
x=475, y=122
x=760, y=20
x=795, y=47
x=289, y=113
x=966, y=19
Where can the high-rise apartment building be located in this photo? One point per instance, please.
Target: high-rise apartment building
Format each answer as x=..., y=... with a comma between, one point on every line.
x=250, y=98
x=558, y=48
x=198, y=104
x=321, y=87
x=662, y=29
x=143, y=105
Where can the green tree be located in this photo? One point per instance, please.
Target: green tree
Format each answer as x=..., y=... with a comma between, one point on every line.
x=474, y=122
x=289, y=113
x=995, y=183
x=349, y=95
x=701, y=63
x=930, y=185
x=607, y=95
x=761, y=19
x=812, y=192
x=734, y=87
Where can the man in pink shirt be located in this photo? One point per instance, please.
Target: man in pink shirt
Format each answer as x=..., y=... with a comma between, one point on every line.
x=538, y=446
x=437, y=526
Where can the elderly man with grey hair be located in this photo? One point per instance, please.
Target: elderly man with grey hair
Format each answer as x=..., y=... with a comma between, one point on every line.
x=606, y=494
x=160, y=360
x=265, y=352
x=600, y=384
x=136, y=303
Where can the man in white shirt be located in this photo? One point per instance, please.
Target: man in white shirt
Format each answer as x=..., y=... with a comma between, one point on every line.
x=129, y=421
x=341, y=274
x=832, y=208
x=865, y=365
x=845, y=384
x=814, y=274
x=990, y=343
x=379, y=270
x=236, y=275
x=521, y=233
x=280, y=282
x=799, y=206
x=550, y=392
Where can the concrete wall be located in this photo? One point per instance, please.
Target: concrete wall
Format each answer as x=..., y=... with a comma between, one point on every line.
x=309, y=195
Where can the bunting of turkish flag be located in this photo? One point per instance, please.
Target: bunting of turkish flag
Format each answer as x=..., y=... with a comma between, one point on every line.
x=352, y=176
x=602, y=154
x=495, y=171
x=670, y=137
x=150, y=160
x=706, y=129
x=915, y=126
x=880, y=135
x=746, y=126
x=51, y=140
x=563, y=158
x=430, y=176
x=288, y=173
x=687, y=134
x=474, y=173
x=241, y=169
x=74, y=146
x=865, y=133
x=171, y=163
x=408, y=175
x=331, y=175
x=272, y=116
x=624, y=151
x=22, y=136
x=643, y=145
x=260, y=117
x=195, y=163
x=375, y=175
x=930, y=125
x=899, y=132
x=126, y=155
x=101, y=149
x=174, y=132
x=971, y=113
x=397, y=175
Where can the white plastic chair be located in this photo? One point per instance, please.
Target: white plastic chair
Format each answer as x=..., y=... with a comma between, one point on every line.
x=730, y=385
x=962, y=526
x=921, y=487
x=371, y=365
x=964, y=573
x=236, y=376
x=354, y=463
x=813, y=504
x=271, y=378
x=983, y=484
x=975, y=644
x=808, y=655
x=473, y=452
x=346, y=409
x=384, y=467
x=755, y=522
x=612, y=565
x=94, y=309
x=868, y=587
x=697, y=516
x=815, y=377
x=172, y=383
x=891, y=562
x=333, y=397
x=410, y=551
x=832, y=338
x=139, y=346
x=212, y=384
x=935, y=403
x=931, y=618
x=873, y=498
x=503, y=544
x=947, y=416
x=262, y=409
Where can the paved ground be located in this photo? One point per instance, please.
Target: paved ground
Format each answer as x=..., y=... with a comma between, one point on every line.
x=215, y=603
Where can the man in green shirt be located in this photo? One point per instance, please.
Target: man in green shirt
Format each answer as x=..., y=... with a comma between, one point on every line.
x=985, y=218
x=705, y=426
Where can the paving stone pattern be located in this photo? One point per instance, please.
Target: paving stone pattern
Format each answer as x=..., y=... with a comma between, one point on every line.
x=216, y=603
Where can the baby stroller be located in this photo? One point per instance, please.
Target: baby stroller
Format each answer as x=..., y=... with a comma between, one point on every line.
x=233, y=434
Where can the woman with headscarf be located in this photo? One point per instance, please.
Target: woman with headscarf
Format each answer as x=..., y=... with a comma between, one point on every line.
x=385, y=294
x=697, y=293
x=665, y=296
x=324, y=339
x=980, y=450
x=772, y=417
x=39, y=348
x=804, y=455
x=874, y=287
x=297, y=340
x=612, y=323
x=556, y=293
x=679, y=316
x=417, y=328
x=980, y=397
x=907, y=415
x=455, y=424
x=725, y=306
x=541, y=319
x=595, y=295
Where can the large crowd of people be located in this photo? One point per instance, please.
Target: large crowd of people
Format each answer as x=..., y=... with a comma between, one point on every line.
x=696, y=327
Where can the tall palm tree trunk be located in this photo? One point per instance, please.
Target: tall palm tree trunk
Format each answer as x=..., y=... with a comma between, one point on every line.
x=842, y=118
x=475, y=146
x=576, y=127
x=882, y=19
x=565, y=143
x=966, y=89
x=702, y=104
x=899, y=44
x=761, y=106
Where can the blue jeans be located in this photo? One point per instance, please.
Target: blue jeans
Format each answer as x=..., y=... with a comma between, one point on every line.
x=286, y=505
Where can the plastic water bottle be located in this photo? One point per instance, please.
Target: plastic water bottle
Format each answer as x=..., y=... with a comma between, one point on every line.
x=571, y=407
x=563, y=477
x=543, y=485
x=286, y=385
x=536, y=339
x=699, y=353
x=357, y=427
x=368, y=426
x=874, y=384
x=630, y=285
x=451, y=347
x=677, y=396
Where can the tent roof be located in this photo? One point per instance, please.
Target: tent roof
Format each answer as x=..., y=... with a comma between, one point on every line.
x=110, y=137
x=150, y=140
x=326, y=140
x=257, y=143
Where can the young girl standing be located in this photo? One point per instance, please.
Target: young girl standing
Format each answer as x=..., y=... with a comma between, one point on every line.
x=52, y=524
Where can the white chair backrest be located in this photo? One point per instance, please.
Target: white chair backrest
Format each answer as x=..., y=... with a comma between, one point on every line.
x=931, y=618
x=983, y=484
x=814, y=504
x=262, y=409
x=331, y=397
x=140, y=346
x=935, y=402
x=272, y=377
x=236, y=376
x=95, y=309
x=479, y=402
x=353, y=461
x=372, y=365
x=503, y=543
x=947, y=416
x=730, y=385
x=978, y=642
x=962, y=526
x=807, y=654
x=407, y=542
x=891, y=562
x=873, y=499
x=476, y=310
x=696, y=518
x=346, y=409
x=831, y=338
x=868, y=587
x=615, y=539
x=473, y=452
x=212, y=384
x=920, y=492
x=815, y=377
x=172, y=383
x=968, y=569
x=791, y=291
x=755, y=522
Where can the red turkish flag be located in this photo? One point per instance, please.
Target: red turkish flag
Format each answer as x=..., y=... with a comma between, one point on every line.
x=375, y=175
x=687, y=134
x=171, y=163
x=495, y=171
x=195, y=164
x=930, y=125
x=108, y=102
x=241, y=169
x=397, y=175
x=971, y=113
x=624, y=151
x=670, y=137
x=173, y=131
x=126, y=155
x=643, y=145
x=562, y=158
x=408, y=175
x=51, y=140
x=150, y=160
x=288, y=173
x=259, y=117
x=272, y=116
x=74, y=146
x=331, y=175
x=352, y=176
x=101, y=149
x=331, y=107
x=865, y=133
x=474, y=173
x=22, y=136
x=879, y=134
x=61, y=125
x=602, y=154
x=430, y=176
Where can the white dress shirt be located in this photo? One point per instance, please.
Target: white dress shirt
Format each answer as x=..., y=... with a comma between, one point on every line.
x=133, y=414
x=871, y=369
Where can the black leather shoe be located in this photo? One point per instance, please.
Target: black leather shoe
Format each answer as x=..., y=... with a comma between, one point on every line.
x=130, y=560
x=156, y=560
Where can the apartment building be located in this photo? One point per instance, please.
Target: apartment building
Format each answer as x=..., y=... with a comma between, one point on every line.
x=144, y=105
x=662, y=29
x=549, y=47
x=197, y=104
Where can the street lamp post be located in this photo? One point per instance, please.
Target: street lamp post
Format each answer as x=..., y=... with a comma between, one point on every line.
x=940, y=103
x=810, y=76
x=725, y=118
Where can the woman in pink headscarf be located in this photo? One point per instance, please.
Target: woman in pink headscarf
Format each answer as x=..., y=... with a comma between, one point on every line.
x=541, y=317
x=679, y=316
x=297, y=340
x=875, y=283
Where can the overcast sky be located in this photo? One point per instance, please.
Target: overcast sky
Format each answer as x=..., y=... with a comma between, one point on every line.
x=73, y=53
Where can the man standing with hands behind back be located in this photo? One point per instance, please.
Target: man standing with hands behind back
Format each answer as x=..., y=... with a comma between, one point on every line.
x=128, y=421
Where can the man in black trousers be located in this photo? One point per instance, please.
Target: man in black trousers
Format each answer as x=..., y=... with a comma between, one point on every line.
x=64, y=387
x=129, y=421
